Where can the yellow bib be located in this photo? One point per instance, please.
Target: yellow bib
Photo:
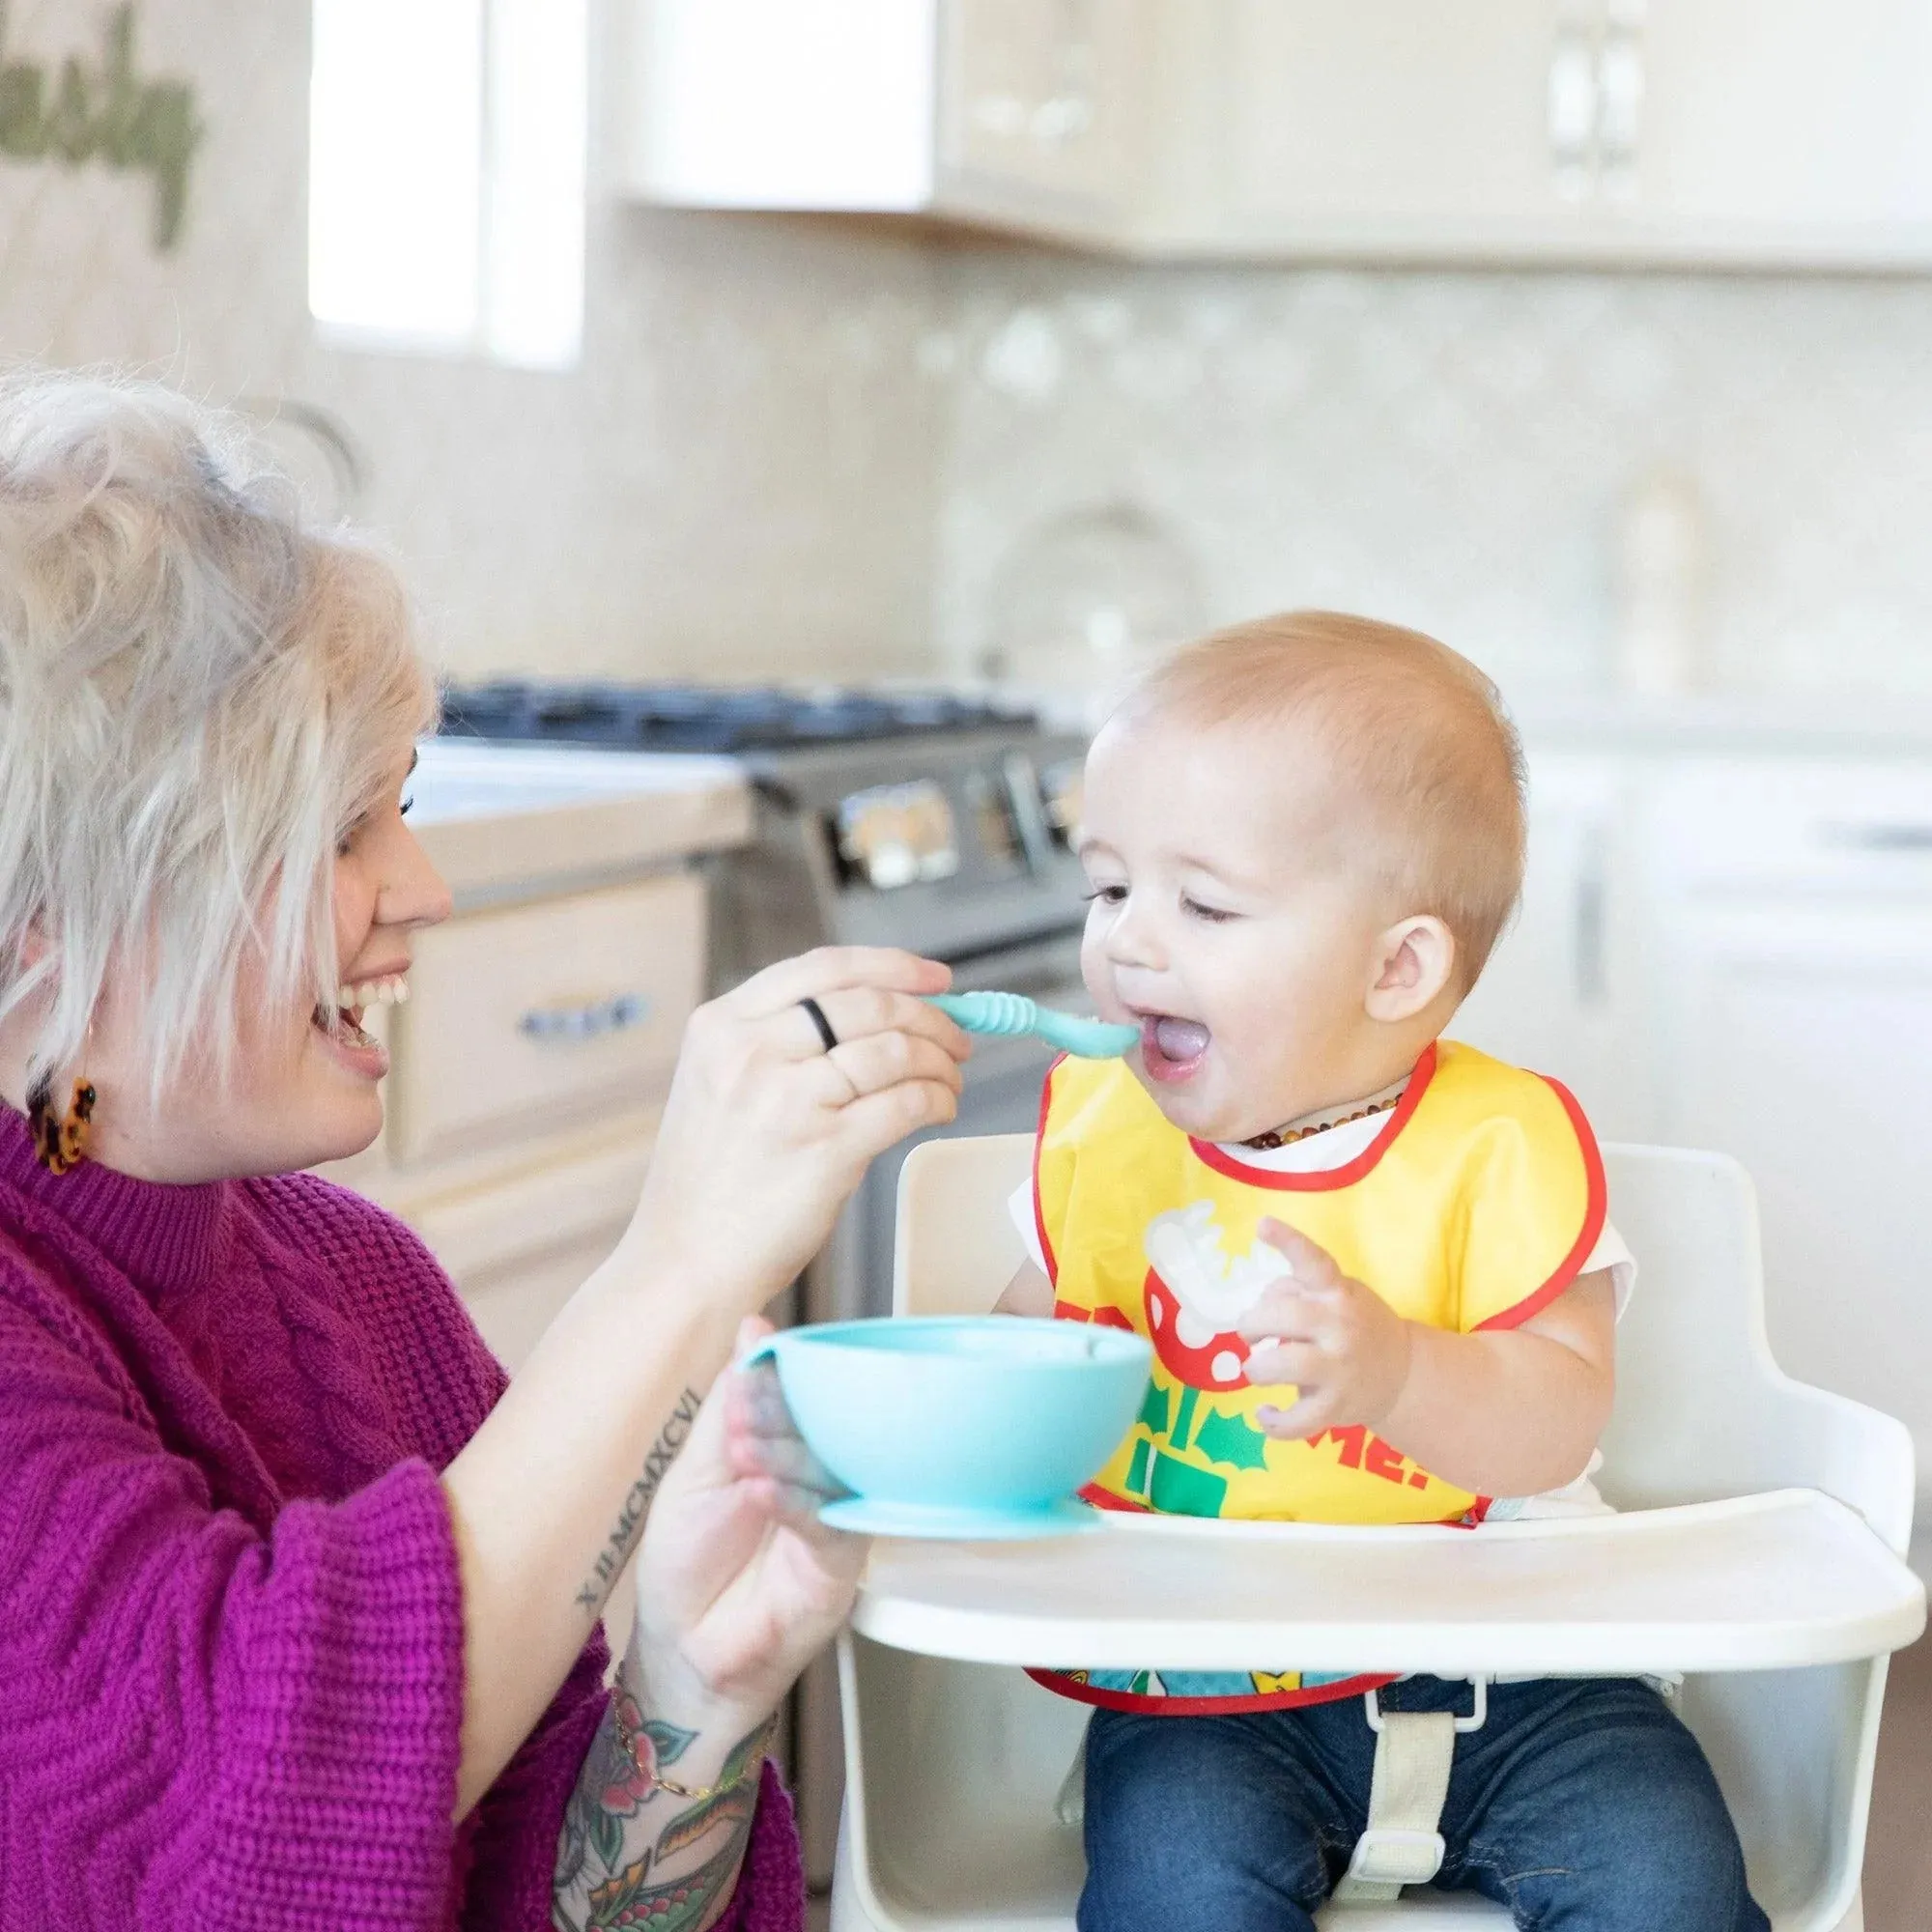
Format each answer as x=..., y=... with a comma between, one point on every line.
x=1475, y=1207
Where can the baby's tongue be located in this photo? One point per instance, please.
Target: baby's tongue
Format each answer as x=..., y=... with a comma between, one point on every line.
x=1181, y=1040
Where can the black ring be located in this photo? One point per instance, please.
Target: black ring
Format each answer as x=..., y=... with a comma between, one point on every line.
x=816, y=1014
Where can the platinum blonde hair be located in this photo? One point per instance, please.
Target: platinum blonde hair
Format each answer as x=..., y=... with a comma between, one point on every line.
x=199, y=696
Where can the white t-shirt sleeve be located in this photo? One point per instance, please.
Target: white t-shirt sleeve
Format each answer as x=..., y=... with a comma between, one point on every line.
x=1612, y=1252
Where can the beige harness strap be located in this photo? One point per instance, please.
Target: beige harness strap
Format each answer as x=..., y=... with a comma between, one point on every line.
x=1403, y=1845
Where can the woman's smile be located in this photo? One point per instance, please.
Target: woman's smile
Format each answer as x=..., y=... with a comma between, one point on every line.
x=341, y=1026
x=349, y=1043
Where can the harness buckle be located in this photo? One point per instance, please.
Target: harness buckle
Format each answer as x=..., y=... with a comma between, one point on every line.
x=1478, y=1717
x=1386, y=1857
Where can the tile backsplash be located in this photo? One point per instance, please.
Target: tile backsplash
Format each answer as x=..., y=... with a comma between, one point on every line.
x=1461, y=451
x=802, y=449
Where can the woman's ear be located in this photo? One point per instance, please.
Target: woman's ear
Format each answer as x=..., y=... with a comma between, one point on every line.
x=1412, y=965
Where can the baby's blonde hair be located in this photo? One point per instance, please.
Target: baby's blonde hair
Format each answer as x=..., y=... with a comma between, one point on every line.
x=198, y=697
x=1416, y=742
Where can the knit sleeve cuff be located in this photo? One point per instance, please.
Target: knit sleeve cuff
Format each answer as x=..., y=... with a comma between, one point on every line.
x=340, y=1711
x=512, y=1880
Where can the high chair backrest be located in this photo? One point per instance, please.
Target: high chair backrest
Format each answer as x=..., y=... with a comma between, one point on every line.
x=1702, y=1409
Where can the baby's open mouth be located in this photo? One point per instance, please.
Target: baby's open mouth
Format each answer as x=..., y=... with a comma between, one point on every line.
x=1172, y=1047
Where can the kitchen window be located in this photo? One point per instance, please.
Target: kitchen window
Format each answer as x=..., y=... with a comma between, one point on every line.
x=447, y=176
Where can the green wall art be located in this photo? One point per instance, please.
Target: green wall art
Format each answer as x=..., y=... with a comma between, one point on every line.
x=81, y=113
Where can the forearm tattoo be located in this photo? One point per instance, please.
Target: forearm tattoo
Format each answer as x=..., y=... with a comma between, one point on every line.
x=630, y=1523
x=635, y=1858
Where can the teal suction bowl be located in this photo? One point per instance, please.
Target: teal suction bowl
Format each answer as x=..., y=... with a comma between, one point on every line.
x=971, y=1426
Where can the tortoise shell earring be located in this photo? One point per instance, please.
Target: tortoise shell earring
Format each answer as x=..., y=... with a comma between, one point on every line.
x=59, y=1143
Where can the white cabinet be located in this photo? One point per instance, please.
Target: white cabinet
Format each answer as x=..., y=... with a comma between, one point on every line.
x=1029, y=114
x=1738, y=131
x=1734, y=131
x=1044, y=110
x=543, y=1015
x=1735, y=951
x=521, y=1240
x=1778, y=129
x=1557, y=993
x=1798, y=1036
x=1789, y=1018
x=1400, y=125
x=527, y=1073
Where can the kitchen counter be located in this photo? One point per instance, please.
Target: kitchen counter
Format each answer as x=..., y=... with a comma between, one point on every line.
x=509, y=822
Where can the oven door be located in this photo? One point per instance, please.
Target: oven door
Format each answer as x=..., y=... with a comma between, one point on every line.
x=854, y=1277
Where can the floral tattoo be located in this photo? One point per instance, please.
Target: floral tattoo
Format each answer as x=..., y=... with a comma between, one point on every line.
x=612, y=1856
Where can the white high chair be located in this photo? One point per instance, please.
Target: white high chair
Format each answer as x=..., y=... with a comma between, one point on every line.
x=1762, y=1555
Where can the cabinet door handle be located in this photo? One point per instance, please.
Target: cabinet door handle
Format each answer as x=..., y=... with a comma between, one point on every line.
x=1003, y=116
x=1903, y=837
x=1573, y=106
x=1067, y=112
x=1592, y=978
x=587, y=1020
x=1620, y=98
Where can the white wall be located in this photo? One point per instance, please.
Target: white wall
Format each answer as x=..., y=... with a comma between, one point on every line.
x=737, y=480
x=1450, y=450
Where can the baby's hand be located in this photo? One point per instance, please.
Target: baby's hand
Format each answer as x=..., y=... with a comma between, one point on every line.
x=1346, y=1350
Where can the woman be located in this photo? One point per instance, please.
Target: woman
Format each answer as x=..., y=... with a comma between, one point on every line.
x=298, y=1601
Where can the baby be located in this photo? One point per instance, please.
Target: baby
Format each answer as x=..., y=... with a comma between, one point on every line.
x=1376, y=1274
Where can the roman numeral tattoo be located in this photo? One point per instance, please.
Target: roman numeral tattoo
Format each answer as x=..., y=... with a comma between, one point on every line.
x=630, y=1523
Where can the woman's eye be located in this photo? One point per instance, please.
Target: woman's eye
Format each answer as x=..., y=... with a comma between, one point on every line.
x=1106, y=895
x=1194, y=909
x=403, y=810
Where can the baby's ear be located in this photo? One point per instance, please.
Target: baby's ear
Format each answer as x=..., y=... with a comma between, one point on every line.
x=1414, y=960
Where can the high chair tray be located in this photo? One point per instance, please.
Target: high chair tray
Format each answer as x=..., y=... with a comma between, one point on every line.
x=1757, y=1583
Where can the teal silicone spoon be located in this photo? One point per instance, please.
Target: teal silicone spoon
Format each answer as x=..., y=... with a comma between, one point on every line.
x=1015, y=1013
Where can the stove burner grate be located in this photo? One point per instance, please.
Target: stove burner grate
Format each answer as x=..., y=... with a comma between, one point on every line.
x=708, y=718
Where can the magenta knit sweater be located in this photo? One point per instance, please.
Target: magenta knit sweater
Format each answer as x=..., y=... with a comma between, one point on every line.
x=231, y=1640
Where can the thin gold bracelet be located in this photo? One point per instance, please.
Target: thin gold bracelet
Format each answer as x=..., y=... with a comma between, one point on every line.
x=700, y=1792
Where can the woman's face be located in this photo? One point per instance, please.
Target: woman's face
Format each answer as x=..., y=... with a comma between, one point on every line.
x=302, y=1087
x=385, y=888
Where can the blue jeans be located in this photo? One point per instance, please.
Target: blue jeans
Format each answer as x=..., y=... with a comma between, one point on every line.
x=1581, y=1804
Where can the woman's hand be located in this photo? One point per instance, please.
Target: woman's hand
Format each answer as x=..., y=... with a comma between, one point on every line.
x=738, y=1584
x=766, y=1133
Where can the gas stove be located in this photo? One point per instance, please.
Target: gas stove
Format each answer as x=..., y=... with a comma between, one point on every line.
x=712, y=718
x=885, y=817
